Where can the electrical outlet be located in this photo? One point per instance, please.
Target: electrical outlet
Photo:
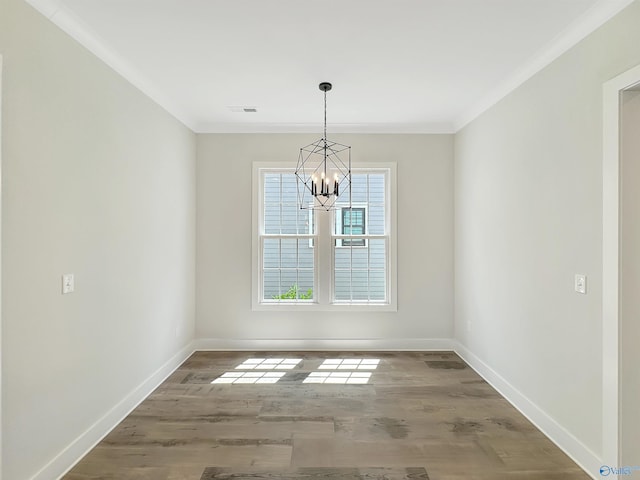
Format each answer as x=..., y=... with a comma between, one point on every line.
x=68, y=283
x=580, y=283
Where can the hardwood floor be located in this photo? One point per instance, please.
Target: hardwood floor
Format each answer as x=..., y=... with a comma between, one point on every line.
x=421, y=415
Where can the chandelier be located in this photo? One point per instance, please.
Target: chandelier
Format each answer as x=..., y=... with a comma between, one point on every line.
x=323, y=173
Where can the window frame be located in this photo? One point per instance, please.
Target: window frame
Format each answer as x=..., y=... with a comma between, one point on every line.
x=323, y=290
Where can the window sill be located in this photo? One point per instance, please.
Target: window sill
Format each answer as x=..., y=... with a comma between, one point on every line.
x=316, y=307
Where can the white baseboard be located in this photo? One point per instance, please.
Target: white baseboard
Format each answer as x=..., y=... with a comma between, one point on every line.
x=67, y=458
x=327, y=344
x=579, y=453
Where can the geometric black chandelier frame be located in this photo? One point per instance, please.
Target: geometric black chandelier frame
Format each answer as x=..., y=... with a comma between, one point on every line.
x=323, y=173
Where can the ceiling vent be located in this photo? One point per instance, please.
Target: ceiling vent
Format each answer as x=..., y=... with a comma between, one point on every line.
x=243, y=109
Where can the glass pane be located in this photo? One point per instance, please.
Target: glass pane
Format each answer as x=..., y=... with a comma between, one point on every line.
x=377, y=285
x=289, y=189
x=349, y=217
x=367, y=214
x=305, y=284
x=282, y=214
x=359, y=188
x=353, y=221
x=271, y=255
x=376, y=188
x=272, y=219
x=360, y=284
x=271, y=284
x=342, y=258
x=343, y=285
x=354, y=242
x=272, y=188
x=360, y=272
x=289, y=220
x=305, y=254
x=289, y=283
x=377, y=254
x=360, y=258
x=376, y=219
x=289, y=253
x=305, y=221
x=288, y=269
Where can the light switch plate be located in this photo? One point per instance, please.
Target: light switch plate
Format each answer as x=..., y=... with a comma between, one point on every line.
x=580, y=283
x=68, y=283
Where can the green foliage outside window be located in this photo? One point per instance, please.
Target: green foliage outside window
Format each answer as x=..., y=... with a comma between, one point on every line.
x=295, y=294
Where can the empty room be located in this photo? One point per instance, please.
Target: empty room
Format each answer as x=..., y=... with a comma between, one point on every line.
x=281, y=239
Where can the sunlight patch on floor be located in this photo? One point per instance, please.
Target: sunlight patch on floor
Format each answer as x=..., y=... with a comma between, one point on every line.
x=348, y=378
x=337, y=376
x=249, y=377
x=350, y=364
x=269, y=364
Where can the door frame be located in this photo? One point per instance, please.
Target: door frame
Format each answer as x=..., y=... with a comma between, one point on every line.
x=611, y=261
x=1, y=267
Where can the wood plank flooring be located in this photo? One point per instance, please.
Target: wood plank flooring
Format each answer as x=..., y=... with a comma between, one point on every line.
x=421, y=415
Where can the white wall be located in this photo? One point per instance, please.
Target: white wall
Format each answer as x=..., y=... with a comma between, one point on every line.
x=528, y=216
x=100, y=182
x=630, y=278
x=425, y=236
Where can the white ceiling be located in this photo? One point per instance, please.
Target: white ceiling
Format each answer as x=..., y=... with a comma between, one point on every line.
x=396, y=65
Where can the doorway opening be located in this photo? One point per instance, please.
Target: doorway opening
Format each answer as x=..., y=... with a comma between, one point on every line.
x=620, y=267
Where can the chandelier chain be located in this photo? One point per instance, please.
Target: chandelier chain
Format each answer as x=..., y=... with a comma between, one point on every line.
x=325, y=134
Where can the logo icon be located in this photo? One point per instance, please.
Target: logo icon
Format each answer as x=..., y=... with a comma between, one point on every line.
x=605, y=470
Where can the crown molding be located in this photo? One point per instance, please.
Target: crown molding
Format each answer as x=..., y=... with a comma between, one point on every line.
x=587, y=23
x=420, y=128
x=48, y=8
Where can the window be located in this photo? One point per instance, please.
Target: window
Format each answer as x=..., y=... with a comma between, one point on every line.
x=360, y=269
x=287, y=259
x=351, y=221
x=344, y=258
